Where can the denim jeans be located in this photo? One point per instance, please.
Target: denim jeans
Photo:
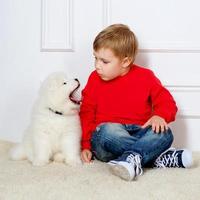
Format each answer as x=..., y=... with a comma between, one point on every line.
x=111, y=140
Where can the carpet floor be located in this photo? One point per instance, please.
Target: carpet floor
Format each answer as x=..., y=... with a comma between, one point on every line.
x=19, y=180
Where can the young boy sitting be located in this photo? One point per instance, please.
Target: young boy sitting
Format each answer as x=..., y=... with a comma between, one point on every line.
x=126, y=110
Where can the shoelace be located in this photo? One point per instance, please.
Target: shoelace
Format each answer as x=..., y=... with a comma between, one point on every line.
x=135, y=160
x=168, y=160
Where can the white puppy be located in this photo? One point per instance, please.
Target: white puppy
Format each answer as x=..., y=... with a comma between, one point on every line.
x=54, y=132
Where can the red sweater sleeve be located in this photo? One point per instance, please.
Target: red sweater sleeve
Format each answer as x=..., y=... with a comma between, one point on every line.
x=87, y=112
x=163, y=103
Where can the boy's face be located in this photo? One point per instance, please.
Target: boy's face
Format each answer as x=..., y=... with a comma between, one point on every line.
x=108, y=66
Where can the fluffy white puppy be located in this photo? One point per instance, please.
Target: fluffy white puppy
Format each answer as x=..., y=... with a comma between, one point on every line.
x=54, y=132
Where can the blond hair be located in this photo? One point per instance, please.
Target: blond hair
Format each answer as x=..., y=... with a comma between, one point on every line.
x=118, y=38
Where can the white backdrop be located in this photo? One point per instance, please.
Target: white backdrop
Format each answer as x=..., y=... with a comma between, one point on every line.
x=38, y=37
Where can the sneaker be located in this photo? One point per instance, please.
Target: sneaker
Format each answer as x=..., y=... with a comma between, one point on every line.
x=127, y=166
x=174, y=158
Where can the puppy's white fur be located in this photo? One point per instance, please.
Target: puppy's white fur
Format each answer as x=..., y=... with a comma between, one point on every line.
x=52, y=136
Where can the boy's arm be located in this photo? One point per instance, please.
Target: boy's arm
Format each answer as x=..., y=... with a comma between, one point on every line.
x=87, y=112
x=86, y=155
x=163, y=104
x=157, y=123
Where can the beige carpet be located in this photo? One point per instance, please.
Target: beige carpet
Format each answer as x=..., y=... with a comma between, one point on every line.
x=20, y=180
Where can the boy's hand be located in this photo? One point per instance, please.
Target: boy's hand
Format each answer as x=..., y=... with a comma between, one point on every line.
x=158, y=124
x=86, y=155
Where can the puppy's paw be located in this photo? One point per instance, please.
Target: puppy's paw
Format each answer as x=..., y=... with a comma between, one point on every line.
x=58, y=157
x=40, y=163
x=73, y=162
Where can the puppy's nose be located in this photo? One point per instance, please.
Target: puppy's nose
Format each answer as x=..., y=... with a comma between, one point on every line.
x=76, y=79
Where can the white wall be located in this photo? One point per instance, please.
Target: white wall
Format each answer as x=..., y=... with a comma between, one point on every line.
x=39, y=37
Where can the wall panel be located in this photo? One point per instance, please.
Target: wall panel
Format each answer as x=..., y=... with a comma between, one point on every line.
x=160, y=25
x=57, y=25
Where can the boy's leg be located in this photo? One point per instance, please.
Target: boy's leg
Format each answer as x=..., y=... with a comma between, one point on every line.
x=110, y=140
x=144, y=151
x=151, y=144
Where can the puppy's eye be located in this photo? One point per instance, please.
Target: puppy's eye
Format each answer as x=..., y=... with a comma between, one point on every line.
x=64, y=83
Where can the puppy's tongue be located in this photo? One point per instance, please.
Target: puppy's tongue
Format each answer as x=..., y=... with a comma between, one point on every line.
x=75, y=96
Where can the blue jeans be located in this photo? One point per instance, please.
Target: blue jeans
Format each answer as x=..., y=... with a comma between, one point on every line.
x=111, y=140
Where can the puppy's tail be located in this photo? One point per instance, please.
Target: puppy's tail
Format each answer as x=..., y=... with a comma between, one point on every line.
x=18, y=153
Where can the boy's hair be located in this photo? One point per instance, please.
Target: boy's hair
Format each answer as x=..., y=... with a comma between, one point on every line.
x=118, y=38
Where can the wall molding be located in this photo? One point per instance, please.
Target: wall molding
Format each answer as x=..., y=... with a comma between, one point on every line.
x=171, y=47
x=174, y=48
x=187, y=115
x=50, y=39
x=183, y=88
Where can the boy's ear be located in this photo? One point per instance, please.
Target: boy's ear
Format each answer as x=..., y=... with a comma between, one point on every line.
x=126, y=62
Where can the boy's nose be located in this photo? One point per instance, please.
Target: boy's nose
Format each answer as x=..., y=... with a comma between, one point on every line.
x=97, y=68
x=97, y=65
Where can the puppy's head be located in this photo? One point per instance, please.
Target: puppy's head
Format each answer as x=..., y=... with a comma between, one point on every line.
x=58, y=93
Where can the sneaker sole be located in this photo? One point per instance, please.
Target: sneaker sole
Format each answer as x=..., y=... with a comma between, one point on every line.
x=187, y=158
x=121, y=171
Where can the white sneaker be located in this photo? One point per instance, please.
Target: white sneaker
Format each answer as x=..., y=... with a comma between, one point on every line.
x=127, y=166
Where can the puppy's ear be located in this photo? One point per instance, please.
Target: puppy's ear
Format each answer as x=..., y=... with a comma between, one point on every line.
x=52, y=82
x=44, y=86
x=48, y=85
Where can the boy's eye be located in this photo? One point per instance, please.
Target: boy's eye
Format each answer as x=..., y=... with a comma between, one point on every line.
x=64, y=83
x=105, y=62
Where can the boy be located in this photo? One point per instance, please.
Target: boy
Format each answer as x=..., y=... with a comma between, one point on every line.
x=125, y=110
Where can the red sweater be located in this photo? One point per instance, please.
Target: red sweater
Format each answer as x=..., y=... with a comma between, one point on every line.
x=129, y=99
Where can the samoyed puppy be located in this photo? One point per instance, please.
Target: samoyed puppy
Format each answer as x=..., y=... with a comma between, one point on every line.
x=54, y=131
